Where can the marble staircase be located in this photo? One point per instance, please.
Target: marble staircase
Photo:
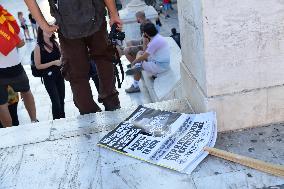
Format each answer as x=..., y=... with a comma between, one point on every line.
x=78, y=126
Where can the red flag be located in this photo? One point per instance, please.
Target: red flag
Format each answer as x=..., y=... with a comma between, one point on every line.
x=9, y=30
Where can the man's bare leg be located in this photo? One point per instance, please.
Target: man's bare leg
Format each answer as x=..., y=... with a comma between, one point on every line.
x=128, y=54
x=30, y=104
x=137, y=76
x=5, y=116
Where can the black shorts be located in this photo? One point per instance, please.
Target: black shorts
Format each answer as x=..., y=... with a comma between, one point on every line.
x=19, y=83
x=25, y=27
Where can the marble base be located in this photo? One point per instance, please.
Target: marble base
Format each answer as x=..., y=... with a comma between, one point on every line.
x=237, y=110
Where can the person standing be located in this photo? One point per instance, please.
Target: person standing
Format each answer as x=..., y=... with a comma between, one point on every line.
x=78, y=35
x=47, y=58
x=12, y=72
x=24, y=25
x=166, y=6
x=33, y=24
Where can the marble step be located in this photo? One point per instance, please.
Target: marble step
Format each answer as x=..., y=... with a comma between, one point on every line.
x=80, y=125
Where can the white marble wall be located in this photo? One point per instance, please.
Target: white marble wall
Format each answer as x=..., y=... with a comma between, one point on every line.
x=192, y=38
x=244, y=44
x=233, y=54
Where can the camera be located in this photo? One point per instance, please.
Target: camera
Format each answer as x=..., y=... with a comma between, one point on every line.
x=115, y=34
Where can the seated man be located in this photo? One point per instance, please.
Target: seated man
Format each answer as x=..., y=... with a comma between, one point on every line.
x=155, y=60
x=175, y=36
x=134, y=46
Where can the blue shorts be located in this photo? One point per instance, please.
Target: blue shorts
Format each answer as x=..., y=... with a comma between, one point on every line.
x=167, y=6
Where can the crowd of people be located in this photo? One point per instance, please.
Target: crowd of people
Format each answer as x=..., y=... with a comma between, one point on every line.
x=83, y=53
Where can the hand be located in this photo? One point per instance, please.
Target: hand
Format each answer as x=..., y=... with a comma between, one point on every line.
x=21, y=44
x=114, y=19
x=146, y=40
x=57, y=62
x=50, y=28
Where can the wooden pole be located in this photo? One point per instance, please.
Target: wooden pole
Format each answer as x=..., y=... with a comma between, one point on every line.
x=273, y=169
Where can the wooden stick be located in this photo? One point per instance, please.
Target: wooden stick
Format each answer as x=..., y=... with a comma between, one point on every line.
x=273, y=169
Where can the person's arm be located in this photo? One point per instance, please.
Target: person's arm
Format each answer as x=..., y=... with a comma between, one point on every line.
x=21, y=44
x=38, y=16
x=113, y=14
x=38, y=63
x=141, y=58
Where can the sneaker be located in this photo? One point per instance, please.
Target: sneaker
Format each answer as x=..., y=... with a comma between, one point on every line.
x=132, y=89
x=134, y=70
x=35, y=121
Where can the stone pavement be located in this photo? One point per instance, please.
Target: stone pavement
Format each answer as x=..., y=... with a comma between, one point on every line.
x=63, y=154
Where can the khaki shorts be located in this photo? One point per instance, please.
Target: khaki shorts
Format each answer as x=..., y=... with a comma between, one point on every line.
x=152, y=68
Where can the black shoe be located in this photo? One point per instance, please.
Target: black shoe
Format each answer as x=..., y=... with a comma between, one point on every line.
x=112, y=108
x=154, y=77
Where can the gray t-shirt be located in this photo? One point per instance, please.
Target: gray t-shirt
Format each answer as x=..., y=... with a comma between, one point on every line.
x=159, y=51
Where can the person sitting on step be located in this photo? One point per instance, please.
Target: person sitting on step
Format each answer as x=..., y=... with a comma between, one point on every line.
x=134, y=46
x=154, y=60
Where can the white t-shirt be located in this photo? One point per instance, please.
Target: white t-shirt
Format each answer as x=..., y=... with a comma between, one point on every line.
x=12, y=59
x=159, y=51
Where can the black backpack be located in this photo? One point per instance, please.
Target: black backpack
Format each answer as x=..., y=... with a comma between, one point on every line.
x=78, y=18
x=35, y=71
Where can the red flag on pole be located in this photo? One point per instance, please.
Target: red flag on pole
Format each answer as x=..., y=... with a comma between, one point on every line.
x=9, y=30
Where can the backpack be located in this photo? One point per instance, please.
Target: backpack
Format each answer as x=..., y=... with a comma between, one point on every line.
x=78, y=18
x=35, y=71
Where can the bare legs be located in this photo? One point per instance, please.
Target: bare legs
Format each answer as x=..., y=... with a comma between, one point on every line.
x=29, y=102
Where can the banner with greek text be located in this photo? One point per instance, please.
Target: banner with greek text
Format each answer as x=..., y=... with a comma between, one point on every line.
x=168, y=139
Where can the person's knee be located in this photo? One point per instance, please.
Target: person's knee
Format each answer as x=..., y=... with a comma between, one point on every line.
x=27, y=94
x=126, y=50
x=129, y=54
x=140, y=53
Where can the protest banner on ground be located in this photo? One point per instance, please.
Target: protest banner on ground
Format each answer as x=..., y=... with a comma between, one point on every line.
x=168, y=139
